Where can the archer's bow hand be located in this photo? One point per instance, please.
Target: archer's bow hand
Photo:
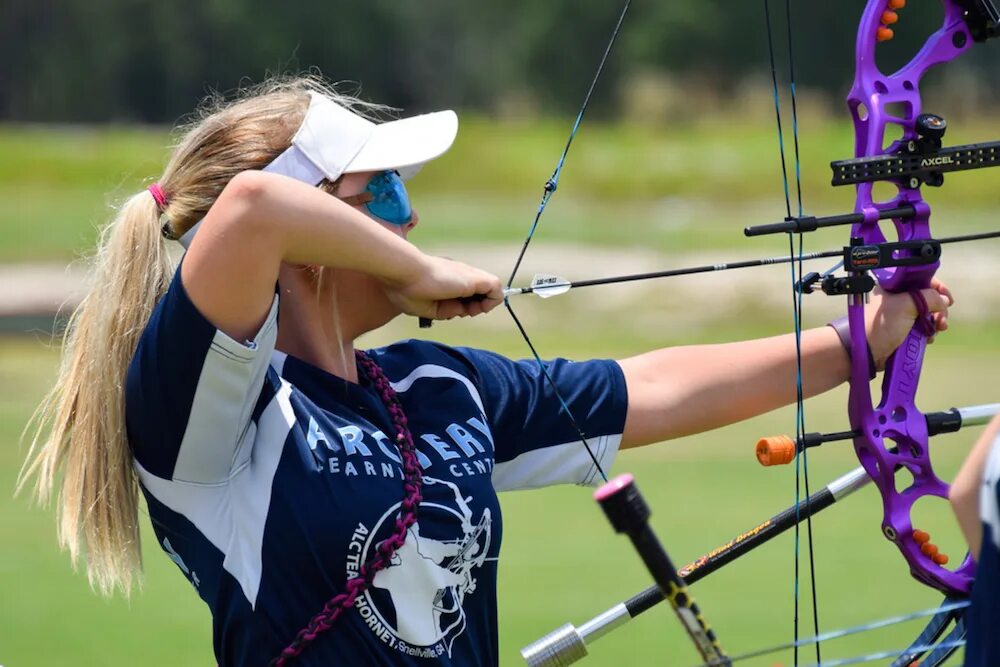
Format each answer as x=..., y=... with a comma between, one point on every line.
x=891, y=316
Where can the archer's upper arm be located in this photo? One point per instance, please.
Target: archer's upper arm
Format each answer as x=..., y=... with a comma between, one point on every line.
x=191, y=391
x=230, y=270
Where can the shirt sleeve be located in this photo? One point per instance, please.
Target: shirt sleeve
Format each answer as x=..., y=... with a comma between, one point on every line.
x=989, y=495
x=983, y=646
x=535, y=441
x=191, y=390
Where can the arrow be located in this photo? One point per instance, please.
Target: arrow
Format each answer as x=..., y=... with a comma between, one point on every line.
x=547, y=285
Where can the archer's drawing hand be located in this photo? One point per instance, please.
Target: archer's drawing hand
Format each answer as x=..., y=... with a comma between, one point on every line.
x=446, y=288
x=891, y=316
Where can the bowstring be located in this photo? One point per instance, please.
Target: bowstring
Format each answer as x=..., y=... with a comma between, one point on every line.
x=800, y=407
x=551, y=186
x=553, y=183
x=797, y=270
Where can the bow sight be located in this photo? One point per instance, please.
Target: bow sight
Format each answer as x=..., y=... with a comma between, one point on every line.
x=920, y=161
x=912, y=163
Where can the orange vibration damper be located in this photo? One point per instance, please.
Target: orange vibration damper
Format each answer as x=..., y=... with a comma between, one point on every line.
x=889, y=17
x=775, y=450
x=928, y=548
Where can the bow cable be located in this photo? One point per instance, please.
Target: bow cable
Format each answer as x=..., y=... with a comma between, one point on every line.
x=947, y=609
x=801, y=460
x=798, y=293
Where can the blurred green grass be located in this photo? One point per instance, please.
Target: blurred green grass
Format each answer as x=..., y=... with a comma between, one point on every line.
x=690, y=190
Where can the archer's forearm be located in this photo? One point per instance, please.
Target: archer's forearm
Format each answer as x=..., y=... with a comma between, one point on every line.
x=683, y=390
x=262, y=220
x=967, y=487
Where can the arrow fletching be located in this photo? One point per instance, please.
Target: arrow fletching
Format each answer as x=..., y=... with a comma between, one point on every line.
x=546, y=285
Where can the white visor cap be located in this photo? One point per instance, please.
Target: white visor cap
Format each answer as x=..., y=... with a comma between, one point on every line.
x=333, y=141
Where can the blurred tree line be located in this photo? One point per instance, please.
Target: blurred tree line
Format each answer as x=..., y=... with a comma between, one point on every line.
x=146, y=61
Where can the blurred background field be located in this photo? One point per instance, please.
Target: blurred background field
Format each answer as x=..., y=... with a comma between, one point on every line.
x=680, y=155
x=684, y=188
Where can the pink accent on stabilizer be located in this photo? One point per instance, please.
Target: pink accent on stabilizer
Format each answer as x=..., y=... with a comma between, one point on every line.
x=159, y=196
x=613, y=486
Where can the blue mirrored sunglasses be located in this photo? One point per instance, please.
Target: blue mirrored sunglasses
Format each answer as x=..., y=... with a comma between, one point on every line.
x=385, y=198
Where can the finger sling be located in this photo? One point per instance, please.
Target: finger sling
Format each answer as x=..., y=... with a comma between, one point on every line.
x=924, y=319
x=412, y=483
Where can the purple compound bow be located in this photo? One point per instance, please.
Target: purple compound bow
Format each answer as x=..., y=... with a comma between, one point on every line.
x=893, y=434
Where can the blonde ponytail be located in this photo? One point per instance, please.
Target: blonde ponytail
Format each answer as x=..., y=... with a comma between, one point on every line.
x=79, y=429
x=80, y=425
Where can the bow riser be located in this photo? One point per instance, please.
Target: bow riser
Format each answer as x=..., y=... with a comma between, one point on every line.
x=870, y=99
x=897, y=422
x=875, y=91
x=877, y=101
x=909, y=263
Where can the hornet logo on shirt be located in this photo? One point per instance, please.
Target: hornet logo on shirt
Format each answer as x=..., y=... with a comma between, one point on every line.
x=416, y=604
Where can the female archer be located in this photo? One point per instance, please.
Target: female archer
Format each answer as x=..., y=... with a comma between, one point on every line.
x=281, y=465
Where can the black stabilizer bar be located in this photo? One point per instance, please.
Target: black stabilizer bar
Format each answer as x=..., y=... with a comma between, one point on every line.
x=812, y=223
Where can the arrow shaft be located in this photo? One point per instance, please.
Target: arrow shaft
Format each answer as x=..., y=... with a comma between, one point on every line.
x=671, y=273
x=724, y=266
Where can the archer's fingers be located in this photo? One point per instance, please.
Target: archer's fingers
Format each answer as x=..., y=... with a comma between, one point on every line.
x=938, y=301
x=940, y=324
x=942, y=289
x=484, y=306
x=465, y=307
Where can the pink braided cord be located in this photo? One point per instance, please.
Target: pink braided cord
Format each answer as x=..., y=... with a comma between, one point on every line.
x=412, y=483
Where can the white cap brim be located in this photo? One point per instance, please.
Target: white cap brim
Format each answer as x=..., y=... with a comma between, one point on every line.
x=406, y=144
x=333, y=140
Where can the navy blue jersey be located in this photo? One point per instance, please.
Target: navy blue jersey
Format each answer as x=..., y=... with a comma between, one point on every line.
x=270, y=482
x=983, y=619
